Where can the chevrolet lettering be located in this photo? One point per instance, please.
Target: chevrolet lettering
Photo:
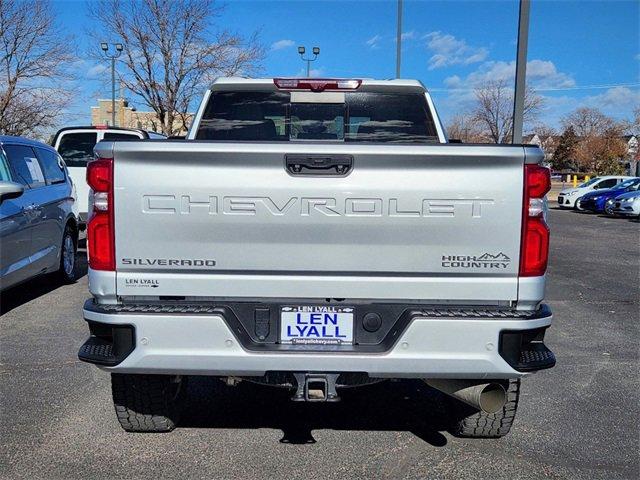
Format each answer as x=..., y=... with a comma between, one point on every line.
x=327, y=206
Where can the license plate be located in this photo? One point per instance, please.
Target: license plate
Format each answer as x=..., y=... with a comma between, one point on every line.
x=320, y=325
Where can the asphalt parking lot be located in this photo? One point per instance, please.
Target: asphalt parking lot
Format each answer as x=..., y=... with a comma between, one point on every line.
x=578, y=420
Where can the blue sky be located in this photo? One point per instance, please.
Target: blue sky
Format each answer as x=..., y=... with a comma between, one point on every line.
x=581, y=53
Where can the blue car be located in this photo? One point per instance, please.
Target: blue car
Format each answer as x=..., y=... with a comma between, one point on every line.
x=598, y=201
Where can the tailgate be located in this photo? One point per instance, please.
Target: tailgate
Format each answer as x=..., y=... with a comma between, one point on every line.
x=217, y=219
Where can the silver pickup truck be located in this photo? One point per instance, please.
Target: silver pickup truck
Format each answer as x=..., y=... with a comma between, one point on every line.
x=317, y=234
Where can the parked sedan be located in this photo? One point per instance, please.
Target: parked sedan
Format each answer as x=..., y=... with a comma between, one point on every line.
x=597, y=201
x=38, y=227
x=627, y=204
x=568, y=198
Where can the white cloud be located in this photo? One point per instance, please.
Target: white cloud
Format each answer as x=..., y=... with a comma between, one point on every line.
x=409, y=35
x=378, y=41
x=490, y=71
x=458, y=94
x=544, y=74
x=96, y=70
x=453, y=82
x=615, y=98
x=541, y=74
x=448, y=50
x=617, y=102
x=282, y=44
x=313, y=73
x=374, y=42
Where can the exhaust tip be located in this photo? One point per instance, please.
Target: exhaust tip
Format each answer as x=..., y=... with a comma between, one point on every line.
x=492, y=398
x=488, y=397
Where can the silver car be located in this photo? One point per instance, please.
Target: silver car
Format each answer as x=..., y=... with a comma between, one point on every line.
x=38, y=226
x=627, y=204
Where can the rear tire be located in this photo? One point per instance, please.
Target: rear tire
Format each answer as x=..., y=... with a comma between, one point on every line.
x=470, y=423
x=147, y=403
x=68, y=270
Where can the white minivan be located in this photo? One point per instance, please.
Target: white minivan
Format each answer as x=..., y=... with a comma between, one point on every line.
x=75, y=146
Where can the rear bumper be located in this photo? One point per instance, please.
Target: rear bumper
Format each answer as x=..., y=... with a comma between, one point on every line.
x=433, y=344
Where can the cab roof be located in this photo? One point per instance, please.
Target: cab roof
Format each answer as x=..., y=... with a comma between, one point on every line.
x=15, y=140
x=366, y=84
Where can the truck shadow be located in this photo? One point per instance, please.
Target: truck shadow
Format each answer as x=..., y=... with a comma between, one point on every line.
x=409, y=406
x=39, y=286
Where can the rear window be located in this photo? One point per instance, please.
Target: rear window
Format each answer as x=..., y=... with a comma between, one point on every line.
x=52, y=165
x=25, y=165
x=77, y=148
x=114, y=136
x=362, y=117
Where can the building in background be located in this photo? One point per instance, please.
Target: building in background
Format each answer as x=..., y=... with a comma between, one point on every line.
x=547, y=143
x=129, y=117
x=633, y=154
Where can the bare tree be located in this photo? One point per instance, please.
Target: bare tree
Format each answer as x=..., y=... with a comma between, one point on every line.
x=634, y=128
x=600, y=145
x=632, y=125
x=494, y=109
x=465, y=127
x=588, y=122
x=33, y=55
x=548, y=139
x=172, y=52
x=543, y=130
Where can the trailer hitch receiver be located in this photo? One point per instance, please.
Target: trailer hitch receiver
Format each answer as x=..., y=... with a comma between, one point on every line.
x=315, y=387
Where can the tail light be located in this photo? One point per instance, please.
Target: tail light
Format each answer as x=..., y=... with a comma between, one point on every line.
x=100, y=225
x=316, y=84
x=535, y=232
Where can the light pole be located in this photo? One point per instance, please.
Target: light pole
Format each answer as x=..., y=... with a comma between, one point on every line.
x=316, y=52
x=521, y=72
x=399, y=39
x=118, y=50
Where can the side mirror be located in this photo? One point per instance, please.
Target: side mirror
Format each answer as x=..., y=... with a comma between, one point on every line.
x=10, y=190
